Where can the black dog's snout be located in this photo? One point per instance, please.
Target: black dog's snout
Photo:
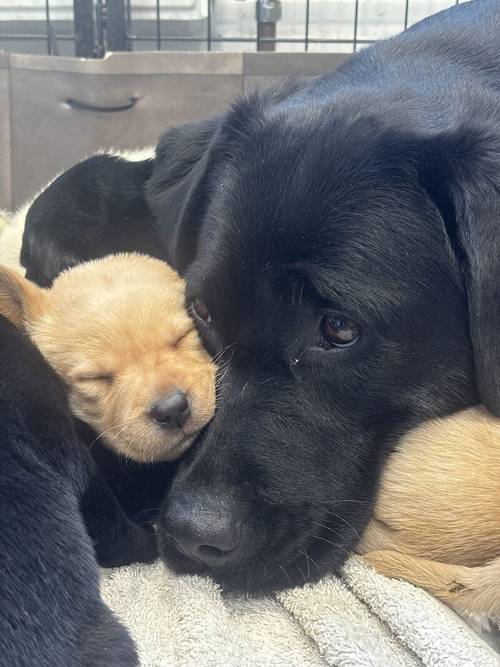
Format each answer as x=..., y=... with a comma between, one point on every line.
x=206, y=527
x=172, y=410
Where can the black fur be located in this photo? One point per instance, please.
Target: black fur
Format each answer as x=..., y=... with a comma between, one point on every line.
x=51, y=613
x=372, y=193
x=138, y=487
x=107, y=207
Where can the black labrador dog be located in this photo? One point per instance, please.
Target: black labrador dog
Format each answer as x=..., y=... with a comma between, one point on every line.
x=51, y=612
x=340, y=242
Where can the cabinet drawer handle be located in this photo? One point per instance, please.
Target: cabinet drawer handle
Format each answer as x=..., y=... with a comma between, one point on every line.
x=84, y=106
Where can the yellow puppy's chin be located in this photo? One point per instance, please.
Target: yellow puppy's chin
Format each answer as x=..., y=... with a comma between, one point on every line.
x=152, y=453
x=143, y=448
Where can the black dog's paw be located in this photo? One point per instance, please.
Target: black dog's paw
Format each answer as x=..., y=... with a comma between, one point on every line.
x=137, y=545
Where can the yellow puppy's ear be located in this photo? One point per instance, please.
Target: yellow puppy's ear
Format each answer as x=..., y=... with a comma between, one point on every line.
x=21, y=301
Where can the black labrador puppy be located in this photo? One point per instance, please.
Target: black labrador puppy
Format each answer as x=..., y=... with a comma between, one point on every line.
x=339, y=240
x=51, y=612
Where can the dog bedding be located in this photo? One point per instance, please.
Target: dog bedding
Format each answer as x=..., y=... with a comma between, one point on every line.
x=359, y=620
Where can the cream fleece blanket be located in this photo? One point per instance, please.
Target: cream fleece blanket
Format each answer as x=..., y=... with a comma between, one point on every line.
x=359, y=620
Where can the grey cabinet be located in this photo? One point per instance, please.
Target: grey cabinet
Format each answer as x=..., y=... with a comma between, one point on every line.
x=55, y=111
x=264, y=69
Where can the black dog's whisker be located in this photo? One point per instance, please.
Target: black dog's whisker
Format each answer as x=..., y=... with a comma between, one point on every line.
x=220, y=379
x=261, y=561
x=323, y=539
x=322, y=525
x=308, y=558
x=222, y=370
x=286, y=573
x=222, y=352
x=142, y=513
x=301, y=572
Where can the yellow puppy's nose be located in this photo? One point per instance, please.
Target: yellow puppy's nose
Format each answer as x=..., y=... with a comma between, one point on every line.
x=171, y=410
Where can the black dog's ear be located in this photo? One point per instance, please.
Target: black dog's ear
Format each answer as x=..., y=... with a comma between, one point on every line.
x=461, y=172
x=186, y=157
x=175, y=193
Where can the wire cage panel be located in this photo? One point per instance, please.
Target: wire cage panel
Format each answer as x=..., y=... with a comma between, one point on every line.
x=91, y=28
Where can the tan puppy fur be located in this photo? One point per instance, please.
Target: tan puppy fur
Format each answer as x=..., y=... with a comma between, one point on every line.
x=437, y=518
x=117, y=332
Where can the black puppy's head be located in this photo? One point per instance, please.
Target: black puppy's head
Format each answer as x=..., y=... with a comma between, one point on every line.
x=330, y=266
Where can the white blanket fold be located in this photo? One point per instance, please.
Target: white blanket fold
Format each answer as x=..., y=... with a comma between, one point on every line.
x=359, y=620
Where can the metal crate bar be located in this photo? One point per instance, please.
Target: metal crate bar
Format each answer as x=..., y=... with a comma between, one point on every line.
x=355, y=41
x=209, y=25
x=306, y=35
x=251, y=40
x=158, y=25
x=47, y=27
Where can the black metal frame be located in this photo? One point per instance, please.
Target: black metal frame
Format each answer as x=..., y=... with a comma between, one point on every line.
x=105, y=25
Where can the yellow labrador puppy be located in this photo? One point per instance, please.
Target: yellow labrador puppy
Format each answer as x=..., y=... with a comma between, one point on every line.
x=116, y=330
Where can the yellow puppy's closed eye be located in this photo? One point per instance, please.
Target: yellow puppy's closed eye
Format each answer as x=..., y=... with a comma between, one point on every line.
x=181, y=337
x=96, y=376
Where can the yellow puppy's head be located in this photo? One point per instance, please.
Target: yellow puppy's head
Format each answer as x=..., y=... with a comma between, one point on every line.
x=117, y=332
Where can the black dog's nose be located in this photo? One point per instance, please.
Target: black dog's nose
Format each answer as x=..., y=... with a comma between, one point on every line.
x=172, y=410
x=207, y=529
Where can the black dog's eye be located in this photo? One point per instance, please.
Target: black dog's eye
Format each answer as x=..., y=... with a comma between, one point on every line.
x=339, y=332
x=201, y=311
